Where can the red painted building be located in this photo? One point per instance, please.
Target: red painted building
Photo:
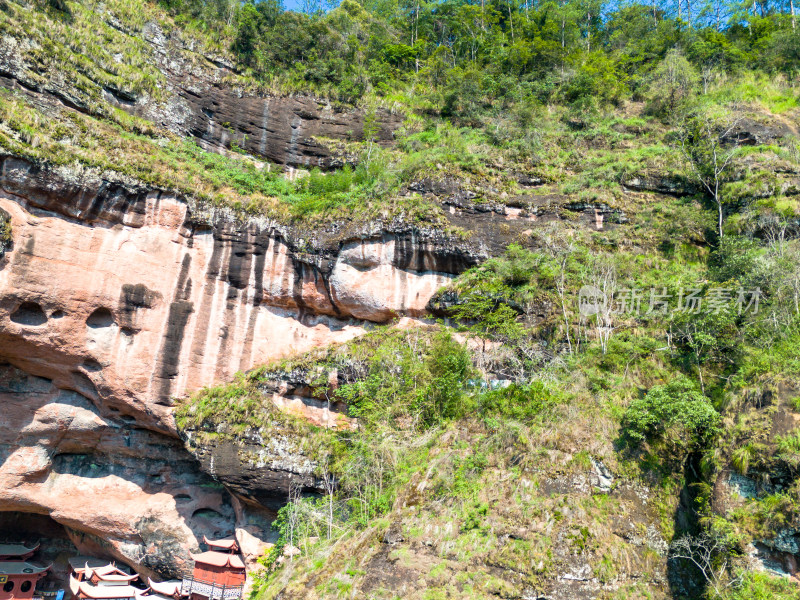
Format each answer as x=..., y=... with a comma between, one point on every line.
x=17, y=551
x=18, y=577
x=218, y=573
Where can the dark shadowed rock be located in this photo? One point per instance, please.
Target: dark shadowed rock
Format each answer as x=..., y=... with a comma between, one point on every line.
x=749, y=132
x=199, y=101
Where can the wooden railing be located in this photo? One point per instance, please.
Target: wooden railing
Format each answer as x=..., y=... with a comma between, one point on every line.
x=210, y=589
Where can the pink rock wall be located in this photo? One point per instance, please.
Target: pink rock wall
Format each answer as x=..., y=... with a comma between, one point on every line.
x=113, y=301
x=145, y=313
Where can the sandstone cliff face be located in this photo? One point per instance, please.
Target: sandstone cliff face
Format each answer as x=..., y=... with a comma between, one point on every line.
x=125, y=491
x=114, y=299
x=159, y=300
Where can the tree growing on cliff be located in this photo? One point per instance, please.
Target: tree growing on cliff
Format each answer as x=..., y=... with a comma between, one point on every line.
x=672, y=82
x=450, y=366
x=709, y=152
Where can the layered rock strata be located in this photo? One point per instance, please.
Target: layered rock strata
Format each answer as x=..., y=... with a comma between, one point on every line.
x=199, y=98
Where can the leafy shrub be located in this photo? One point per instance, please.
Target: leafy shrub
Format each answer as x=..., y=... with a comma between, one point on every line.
x=519, y=402
x=596, y=80
x=517, y=266
x=449, y=364
x=465, y=480
x=763, y=586
x=735, y=259
x=711, y=338
x=474, y=516
x=401, y=383
x=465, y=97
x=743, y=457
x=676, y=413
x=789, y=448
x=672, y=83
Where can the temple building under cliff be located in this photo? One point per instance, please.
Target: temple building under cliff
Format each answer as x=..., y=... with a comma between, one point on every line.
x=219, y=573
x=95, y=579
x=18, y=577
x=99, y=580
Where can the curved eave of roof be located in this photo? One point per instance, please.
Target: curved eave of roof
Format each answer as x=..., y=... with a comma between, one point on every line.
x=166, y=588
x=219, y=559
x=104, y=570
x=74, y=585
x=227, y=544
x=17, y=549
x=18, y=567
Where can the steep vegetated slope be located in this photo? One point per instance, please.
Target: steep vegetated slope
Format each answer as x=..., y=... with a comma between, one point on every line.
x=511, y=291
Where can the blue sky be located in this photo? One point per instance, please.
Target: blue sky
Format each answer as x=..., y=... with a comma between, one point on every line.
x=298, y=4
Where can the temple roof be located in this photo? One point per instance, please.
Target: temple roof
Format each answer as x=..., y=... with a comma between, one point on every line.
x=219, y=559
x=18, y=567
x=165, y=588
x=107, y=592
x=109, y=573
x=16, y=549
x=102, y=592
x=224, y=544
x=108, y=569
x=115, y=578
x=79, y=563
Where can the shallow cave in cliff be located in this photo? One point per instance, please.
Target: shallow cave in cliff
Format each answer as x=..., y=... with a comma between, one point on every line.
x=30, y=314
x=55, y=545
x=30, y=528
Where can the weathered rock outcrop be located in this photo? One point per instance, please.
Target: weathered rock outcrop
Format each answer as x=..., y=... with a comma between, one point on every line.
x=119, y=489
x=775, y=544
x=281, y=129
x=197, y=296
x=200, y=97
x=266, y=461
x=115, y=298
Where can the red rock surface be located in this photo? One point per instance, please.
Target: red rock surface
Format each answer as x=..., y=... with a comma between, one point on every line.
x=114, y=300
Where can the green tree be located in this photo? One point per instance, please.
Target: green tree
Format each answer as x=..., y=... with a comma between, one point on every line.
x=736, y=260
x=672, y=83
x=702, y=144
x=677, y=414
x=450, y=366
x=708, y=338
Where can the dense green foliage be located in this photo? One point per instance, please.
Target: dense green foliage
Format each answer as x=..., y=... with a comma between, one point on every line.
x=473, y=55
x=676, y=413
x=759, y=586
x=397, y=385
